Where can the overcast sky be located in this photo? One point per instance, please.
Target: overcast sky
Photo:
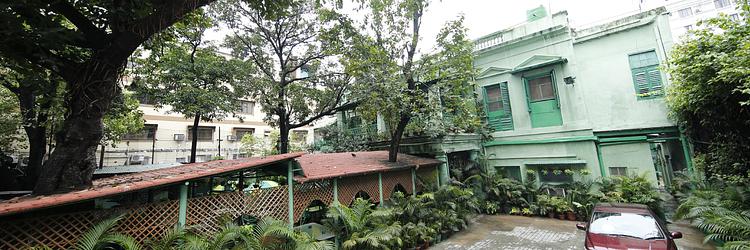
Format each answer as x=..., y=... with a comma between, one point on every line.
x=486, y=16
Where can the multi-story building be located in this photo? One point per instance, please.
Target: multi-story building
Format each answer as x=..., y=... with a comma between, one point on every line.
x=685, y=14
x=561, y=98
x=166, y=137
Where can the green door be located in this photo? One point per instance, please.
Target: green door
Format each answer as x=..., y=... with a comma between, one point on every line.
x=544, y=107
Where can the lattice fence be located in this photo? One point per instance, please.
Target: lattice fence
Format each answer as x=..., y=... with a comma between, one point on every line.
x=205, y=214
x=306, y=193
x=394, y=178
x=348, y=188
x=62, y=230
x=427, y=174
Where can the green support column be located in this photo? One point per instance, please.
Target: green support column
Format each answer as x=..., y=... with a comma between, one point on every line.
x=336, y=201
x=380, y=187
x=182, y=211
x=290, y=186
x=413, y=182
x=335, y=190
x=686, y=152
x=443, y=170
x=601, y=160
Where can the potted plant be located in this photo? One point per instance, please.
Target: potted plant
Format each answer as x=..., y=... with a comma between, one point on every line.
x=545, y=206
x=515, y=211
x=527, y=212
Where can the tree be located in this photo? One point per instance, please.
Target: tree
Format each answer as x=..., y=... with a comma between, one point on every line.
x=299, y=80
x=189, y=75
x=710, y=95
x=122, y=119
x=401, y=84
x=10, y=120
x=38, y=95
x=86, y=43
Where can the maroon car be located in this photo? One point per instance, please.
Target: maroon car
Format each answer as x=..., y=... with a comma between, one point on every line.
x=627, y=226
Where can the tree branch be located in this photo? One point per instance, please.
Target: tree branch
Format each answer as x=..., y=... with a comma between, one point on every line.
x=94, y=35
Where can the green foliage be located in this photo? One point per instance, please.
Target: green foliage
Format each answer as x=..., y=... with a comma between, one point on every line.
x=362, y=227
x=187, y=73
x=631, y=189
x=123, y=118
x=722, y=211
x=103, y=236
x=335, y=139
x=299, y=79
x=10, y=120
x=421, y=94
x=710, y=94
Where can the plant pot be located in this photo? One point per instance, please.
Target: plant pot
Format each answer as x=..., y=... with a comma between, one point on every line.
x=561, y=216
x=551, y=215
x=571, y=216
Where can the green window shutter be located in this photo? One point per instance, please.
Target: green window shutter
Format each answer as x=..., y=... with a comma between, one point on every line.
x=498, y=109
x=646, y=75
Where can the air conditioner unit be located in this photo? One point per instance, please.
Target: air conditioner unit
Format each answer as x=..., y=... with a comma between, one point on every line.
x=231, y=138
x=179, y=137
x=137, y=158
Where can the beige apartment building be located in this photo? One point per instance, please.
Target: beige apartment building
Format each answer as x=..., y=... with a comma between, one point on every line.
x=166, y=137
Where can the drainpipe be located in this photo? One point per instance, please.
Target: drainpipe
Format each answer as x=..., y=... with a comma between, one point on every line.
x=380, y=188
x=290, y=186
x=182, y=212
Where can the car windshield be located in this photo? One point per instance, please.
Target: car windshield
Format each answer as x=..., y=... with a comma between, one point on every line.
x=634, y=225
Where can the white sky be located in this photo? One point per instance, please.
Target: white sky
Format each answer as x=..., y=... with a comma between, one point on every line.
x=486, y=16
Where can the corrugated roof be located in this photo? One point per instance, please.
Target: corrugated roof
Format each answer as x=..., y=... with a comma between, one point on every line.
x=327, y=166
x=138, y=181
x=133, y=168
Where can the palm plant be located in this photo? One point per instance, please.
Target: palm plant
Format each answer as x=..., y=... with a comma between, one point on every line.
x=104, y=236
x=362, y=227
x=722, y=212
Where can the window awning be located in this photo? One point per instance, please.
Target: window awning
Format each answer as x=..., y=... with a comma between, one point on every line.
x=538, y=61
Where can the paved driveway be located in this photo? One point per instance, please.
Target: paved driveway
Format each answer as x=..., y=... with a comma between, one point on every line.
x=521, y=233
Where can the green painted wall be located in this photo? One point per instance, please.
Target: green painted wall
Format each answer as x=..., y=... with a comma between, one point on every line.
x=635, y=156
x=601, y=98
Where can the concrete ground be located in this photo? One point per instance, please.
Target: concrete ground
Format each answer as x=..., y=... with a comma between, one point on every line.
x=521, y=233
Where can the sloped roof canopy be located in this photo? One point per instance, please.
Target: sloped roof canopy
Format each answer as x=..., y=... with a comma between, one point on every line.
x=328, y=166
x=538, y=61
x=492, y=71
x=139, y=181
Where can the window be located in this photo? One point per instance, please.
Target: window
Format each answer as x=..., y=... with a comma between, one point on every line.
x=266, y=133
x=541, y=88
x=734, y=17
x=494, y=98
x=147, y=133
x=247, y=107
x=204, y=133
x=497, y=105
x=304, y=71
x=299, y=135
x=618, y=171
x=685, y=12
x=241, y=132
x=631, y=225
x=688, y=27
x=646, y=75
x=721, y=3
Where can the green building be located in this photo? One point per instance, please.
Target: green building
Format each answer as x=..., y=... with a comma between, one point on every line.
x=560, y=98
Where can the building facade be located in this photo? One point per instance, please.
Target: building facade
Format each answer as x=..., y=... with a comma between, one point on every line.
x=566, y=102
x=166, y=137
x=685, y=14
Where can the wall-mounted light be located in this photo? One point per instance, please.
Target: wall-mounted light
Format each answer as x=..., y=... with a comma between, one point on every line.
x=569, y=80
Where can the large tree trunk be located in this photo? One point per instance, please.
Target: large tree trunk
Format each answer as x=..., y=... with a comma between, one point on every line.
x=283, y=138
x=90, y=93
x=194, y=134
x=396, y=137
x=35, y=132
